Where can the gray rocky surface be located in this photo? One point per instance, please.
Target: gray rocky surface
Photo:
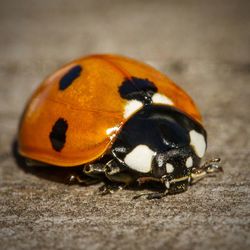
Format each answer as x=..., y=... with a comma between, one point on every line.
x=202, y=45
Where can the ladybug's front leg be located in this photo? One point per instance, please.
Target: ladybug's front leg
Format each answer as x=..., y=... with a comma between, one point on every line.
x=82, y=180
x=116, y=172
x=118, y=176
x=208, y=168
x=94, y=170
x=91, y=174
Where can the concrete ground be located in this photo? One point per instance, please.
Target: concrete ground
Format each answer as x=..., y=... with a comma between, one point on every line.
x=202, y=45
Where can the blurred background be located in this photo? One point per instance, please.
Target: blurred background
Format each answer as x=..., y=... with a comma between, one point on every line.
x=204, y=46
x=174, y=36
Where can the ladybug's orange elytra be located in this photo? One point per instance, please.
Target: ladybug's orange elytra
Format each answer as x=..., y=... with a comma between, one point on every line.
x=81, y=103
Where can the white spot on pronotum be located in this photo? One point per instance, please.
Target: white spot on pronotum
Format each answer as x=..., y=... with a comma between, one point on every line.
x=198, y=143
x=161, y=99
x=131, y=107
x=140, y=158
x=189, y=162
x=169, y=168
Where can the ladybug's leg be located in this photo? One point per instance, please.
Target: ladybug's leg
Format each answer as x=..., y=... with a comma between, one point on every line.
x=115, y=172
x=91, y=174
x=118, y=177
x=151, y=196
x=109, y=188
x=84, y=180
x=95, y=170
x=154, y=195
x=206, y=169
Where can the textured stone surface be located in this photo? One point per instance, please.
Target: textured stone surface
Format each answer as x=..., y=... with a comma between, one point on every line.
x=202, y=45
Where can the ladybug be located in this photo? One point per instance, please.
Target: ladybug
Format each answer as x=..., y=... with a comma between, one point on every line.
x=118, y=119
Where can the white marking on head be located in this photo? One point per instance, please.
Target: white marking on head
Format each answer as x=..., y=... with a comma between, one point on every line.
x=140, y=158
x=131, y=107
x=189, y=162
x=161, y=99
x=169, y=168
x=198, y=143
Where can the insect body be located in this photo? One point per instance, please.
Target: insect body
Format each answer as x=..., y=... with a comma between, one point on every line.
x=118, y=118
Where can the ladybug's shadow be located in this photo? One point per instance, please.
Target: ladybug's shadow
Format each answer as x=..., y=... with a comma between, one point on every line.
x=63, y=175
x=51, y=173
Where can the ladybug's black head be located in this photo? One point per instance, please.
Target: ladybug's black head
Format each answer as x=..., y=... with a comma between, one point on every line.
x=174, y=168
x=162, y=142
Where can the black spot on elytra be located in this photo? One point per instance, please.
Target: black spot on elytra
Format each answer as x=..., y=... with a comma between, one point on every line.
x=69, y=77
x=58, y=134
x=137, y=89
